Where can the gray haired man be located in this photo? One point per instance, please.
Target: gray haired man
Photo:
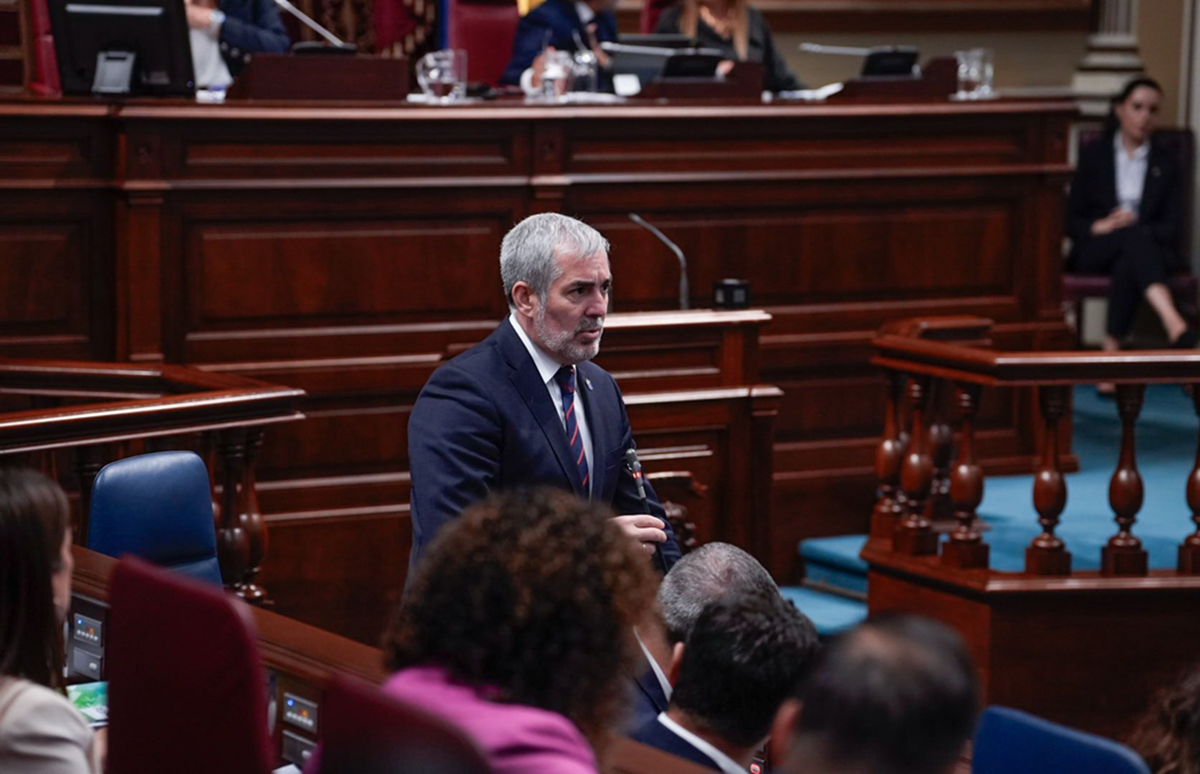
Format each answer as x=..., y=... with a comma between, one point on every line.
x=526, y=406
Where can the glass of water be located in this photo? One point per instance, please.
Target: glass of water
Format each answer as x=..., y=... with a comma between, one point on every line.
x=975, y=72
x=558, y=69
x=442, y=75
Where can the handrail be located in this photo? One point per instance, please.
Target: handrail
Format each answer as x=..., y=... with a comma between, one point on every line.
x=918, y=477
x=117, y=403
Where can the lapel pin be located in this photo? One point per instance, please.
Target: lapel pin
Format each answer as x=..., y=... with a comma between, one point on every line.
x=588, y=382
x=1156, y=171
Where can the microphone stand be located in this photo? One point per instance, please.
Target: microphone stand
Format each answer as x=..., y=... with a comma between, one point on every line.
x=684, y=293
x=307, y=20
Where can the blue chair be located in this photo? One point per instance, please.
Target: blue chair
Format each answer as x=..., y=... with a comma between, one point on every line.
x=159, y=507
x=1010, y=741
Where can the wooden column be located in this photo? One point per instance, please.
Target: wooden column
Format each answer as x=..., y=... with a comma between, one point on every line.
x=1047, y=554
x=250, y=519
x=889, y=456
x=940, y=509
x=965, y=549
x=1189, y=552
x=1124, y=554
x=233, y=544
x=88, y=462
x=914, y=534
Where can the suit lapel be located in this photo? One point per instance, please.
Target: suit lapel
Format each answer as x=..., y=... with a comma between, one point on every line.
x=528, y=383
x=1152, y=185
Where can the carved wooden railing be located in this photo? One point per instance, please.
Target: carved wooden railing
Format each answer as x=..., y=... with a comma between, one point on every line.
x=916, y=469
x=90, y=413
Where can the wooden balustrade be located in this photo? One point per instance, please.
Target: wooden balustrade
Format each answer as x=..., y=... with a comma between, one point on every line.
x=908, y=353
x=1084, y=647
x=100, y=412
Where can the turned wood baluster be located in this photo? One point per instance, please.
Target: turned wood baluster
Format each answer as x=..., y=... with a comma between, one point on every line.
x=1047, y=554
x=888, y=457
x=1189, y=552
x=1124, y=554
x=251, y=520
x=914, y=534
x=88, y=461
x=939, y=509
x=233, y=544
x=965, y=549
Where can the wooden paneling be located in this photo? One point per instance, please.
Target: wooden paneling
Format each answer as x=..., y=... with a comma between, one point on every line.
x=349, y=251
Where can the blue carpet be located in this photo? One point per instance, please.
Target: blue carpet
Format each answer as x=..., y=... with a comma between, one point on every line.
x=1166, y=451
x=830, y=613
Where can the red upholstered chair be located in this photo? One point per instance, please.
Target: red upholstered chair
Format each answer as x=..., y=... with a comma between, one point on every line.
x=485, y=30
x=364, y=731
x=1077, y=287
x=651, y=10
x=187, y=691
x=46, y=81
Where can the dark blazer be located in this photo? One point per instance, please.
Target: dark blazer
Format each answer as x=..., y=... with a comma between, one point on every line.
x=657, y=735
x=552, y=24
x=251, y=27
x=648, y=698
x=485, y=421
x=1094, y=193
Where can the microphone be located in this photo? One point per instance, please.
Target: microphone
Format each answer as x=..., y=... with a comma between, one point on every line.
x=635, y=468
x=317, y=28
x=683, y=267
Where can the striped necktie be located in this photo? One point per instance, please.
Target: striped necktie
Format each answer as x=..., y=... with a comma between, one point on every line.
x=566, y=383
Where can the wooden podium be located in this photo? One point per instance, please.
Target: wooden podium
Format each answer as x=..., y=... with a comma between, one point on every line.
x=318, y=77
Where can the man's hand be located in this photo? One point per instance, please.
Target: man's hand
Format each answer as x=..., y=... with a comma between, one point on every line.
x=1118, y=218
x=644, y=528
x=198, y=17
x=538, y=66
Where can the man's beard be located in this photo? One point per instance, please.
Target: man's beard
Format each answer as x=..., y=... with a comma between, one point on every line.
x=563, y=343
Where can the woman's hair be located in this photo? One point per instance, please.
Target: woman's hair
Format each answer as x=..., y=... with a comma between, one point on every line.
x=689, y=20
x=1168, y=735
x=34, y=519
x=1111, y=124
x=534, y=593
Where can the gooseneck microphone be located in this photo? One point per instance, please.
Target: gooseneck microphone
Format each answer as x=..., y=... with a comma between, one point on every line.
x=683, y=267
x=308, y=21
x=635, y=468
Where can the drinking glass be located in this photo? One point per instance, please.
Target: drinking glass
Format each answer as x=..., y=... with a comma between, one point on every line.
x=975, y=71
x=442, y=75
x=558, y=67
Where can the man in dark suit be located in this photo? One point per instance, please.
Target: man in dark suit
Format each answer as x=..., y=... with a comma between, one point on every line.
x=711, y=571
x=564, y=25
x=525, y=407
x=241, y=28
x=745, y=654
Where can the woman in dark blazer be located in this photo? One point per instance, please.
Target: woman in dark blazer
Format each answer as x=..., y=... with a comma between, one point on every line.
x=1124, y=215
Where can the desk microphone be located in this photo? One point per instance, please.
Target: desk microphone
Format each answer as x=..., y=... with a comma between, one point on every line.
x=307, y=20
x=635, y=468
x=683, y=267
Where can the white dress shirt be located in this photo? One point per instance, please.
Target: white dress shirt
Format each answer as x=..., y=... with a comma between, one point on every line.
x=663, y=682
x=547, y=367
x=207, y=62
x=1131, y=173
x=727, y=765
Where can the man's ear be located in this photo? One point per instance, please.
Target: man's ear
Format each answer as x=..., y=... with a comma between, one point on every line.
x=783, y=729
x=676, y=660
x=524, y=299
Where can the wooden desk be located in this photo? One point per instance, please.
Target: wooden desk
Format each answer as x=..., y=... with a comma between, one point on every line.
x=347, y=249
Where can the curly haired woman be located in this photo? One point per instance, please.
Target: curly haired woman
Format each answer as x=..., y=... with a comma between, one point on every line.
x=1168, y=735
x=518, y=629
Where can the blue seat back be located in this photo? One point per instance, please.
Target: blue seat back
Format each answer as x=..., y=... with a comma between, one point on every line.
x=159, y=507
x=1010, y=741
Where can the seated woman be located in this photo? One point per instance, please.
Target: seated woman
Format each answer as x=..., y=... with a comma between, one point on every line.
x=519, y=629
x=40, y=732
x=1124, y=215
x=735, y=27
x=1168, y=735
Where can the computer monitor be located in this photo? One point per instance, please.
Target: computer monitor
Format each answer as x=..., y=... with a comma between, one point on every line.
x=114, y=47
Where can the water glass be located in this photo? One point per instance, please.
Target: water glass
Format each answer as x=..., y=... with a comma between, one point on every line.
x=558, y=68
x=585, y=71
x=442, y=75
x=975, y=71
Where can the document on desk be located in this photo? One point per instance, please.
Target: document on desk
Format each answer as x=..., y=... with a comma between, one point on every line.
x=812, y=95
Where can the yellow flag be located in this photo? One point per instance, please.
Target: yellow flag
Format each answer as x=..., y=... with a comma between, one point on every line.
x=525, y=6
